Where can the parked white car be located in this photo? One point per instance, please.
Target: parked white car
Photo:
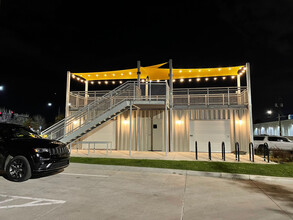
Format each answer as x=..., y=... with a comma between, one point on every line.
x=274, y=142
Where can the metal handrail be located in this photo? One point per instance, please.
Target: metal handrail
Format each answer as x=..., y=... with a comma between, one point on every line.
x=85, y=115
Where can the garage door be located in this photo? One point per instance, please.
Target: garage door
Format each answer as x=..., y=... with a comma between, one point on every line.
x=215, y=131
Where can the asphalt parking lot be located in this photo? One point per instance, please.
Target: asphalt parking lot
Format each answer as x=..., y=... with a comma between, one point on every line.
x=107, y=192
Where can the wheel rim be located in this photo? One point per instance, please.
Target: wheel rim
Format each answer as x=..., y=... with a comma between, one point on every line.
x=17, y=169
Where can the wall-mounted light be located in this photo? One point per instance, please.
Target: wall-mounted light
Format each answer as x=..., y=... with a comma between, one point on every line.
x=179, y=122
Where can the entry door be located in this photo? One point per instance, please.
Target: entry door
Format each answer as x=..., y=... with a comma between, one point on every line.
x=157, y=135
x=215, y=131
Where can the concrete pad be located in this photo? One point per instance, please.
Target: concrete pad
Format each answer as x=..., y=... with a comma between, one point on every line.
x=112, y=192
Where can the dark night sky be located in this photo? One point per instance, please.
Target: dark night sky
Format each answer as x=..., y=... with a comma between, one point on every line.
x=41, y=40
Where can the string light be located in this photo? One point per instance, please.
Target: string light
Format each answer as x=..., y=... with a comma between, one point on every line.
x=232, y=77
x=78, y=79
x=121, y=74
x=224, y=77
x=113, y=82
x=206, y=79
x=158, y=80
x=106, y=82
x=81, y=80
x=174, y=80
x=92, y=82
x=181, y=80
x=189, y=80
x=219, y=69
x=73, y=76
x=129, y=73
x=190, y=71
x=97, y=75
x=215, y=78
x=99, y=82
x=198, y=79
x=120, y=82
x=180, y=71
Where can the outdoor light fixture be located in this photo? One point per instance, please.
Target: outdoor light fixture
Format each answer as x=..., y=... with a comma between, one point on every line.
x=125, y=122
x=49, y=104
x=269, y=112
x=190, y=80
x=174, y=80
x=99, y=82
x=75, y=122
x=1, y=88
x=207, y=79
x=198, y=79
x=92, y=82
x=179, y=122
x=73, y=76
x=215, y=78
x=113, y=82
x=181, y=80
x=120, y=82
x=224, y=77
x=232, y=77
x=106, y=82
x=240, y=122
x=219, y=69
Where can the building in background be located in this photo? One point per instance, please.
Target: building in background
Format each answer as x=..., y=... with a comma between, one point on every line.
x=273, y=128
x=146, y=113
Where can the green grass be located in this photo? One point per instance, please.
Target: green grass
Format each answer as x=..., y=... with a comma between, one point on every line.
x=281, y=170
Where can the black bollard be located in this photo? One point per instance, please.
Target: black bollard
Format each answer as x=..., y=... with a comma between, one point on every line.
x=236, y=154
x=209, y=148
x=251, y=150
x=223, y=151
x=238, y=151
x=267, y=152
x=264, y=152
x=195, y=150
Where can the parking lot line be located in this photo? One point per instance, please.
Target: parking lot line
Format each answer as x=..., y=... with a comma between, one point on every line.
x=81, y=174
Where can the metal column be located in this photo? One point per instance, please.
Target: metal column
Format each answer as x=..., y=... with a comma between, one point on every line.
x=171, y=103
x=130, y=122
x=249, y=100
x=86, y=89
x=166, y=129
x=67, y=94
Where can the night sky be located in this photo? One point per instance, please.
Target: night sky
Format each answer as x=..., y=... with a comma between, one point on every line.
x=41, y=40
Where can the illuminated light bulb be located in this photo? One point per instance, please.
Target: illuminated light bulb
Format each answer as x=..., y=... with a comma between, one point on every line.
x=190, y=71
x=189, y=80
x=181, y=80
x=240, y=122
x=78, y=79
x=179, y=122
x=113, y=82
x=88, y=75
x=224, y=77
x=73, y=76
x=206, y=79
x=125, y=122
x=174, y=80
x=92, y=82
x=219, y=69
x=120, y=82
x=81, y=80
x=99, y=82
x=244, y=68
x=209, y=70
x=121, y=74
x=215, y=78
x=180, y=71
x=199, y=70
x=129, y=73
x=75, y=122
x=198, y=79
x=158, y=80
x=232, y=77
x=106, y=82
x=113, y=74
x=229, y=68
x=142, y=80
x=151, y=80
x=97, y=75
x=240, y=67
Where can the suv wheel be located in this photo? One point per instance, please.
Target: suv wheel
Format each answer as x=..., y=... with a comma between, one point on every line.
x=18, y=169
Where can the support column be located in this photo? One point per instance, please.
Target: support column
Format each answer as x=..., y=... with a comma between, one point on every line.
x=248, y=83
x=86, y=89
x=171, y=104
x=138, y=129
x=130, y=122
x=238, y=90
x=67, y=93
x=138, y=74
x=166, y=129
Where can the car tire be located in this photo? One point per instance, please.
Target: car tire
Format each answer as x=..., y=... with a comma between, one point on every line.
x=18, y=169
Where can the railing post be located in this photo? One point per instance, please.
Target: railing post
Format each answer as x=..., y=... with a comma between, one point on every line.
x=188, y=97
x=209, y=148
x=195, y=150
x=223, y=151
x=228, y=96
x=208, y=95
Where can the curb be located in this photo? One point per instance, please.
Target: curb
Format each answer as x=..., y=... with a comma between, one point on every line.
x=194, y=173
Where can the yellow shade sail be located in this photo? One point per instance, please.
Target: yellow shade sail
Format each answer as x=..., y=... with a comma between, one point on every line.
x=156, y=73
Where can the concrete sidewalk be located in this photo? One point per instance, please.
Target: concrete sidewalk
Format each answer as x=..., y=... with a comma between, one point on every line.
x=189, y=156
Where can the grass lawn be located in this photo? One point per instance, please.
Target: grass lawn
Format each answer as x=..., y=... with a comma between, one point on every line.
x=281, y=170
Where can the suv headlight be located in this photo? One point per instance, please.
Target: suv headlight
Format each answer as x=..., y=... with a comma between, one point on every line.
x=41, y=150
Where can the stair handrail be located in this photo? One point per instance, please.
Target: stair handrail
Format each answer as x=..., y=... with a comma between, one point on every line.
x=86, y=107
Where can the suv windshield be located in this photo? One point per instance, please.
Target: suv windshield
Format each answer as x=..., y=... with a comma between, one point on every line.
x=20, y=132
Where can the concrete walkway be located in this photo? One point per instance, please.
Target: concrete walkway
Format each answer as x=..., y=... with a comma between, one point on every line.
x=189, y=156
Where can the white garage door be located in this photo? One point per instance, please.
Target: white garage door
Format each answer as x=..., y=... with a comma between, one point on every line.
x=215, y=131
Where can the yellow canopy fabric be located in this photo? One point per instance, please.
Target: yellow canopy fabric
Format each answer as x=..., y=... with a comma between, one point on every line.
x=156, y=73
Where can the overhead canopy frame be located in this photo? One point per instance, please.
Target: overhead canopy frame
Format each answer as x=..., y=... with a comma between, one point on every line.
x=156, y=73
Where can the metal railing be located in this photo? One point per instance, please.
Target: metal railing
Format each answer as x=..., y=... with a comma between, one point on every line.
x=210, y=96
x=79, y=99
x=126, y=92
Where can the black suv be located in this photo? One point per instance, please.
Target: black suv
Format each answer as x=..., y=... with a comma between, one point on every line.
x=23, y=153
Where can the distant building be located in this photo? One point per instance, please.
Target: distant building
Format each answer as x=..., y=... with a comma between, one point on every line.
x=273, y=128
x=12, y=117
